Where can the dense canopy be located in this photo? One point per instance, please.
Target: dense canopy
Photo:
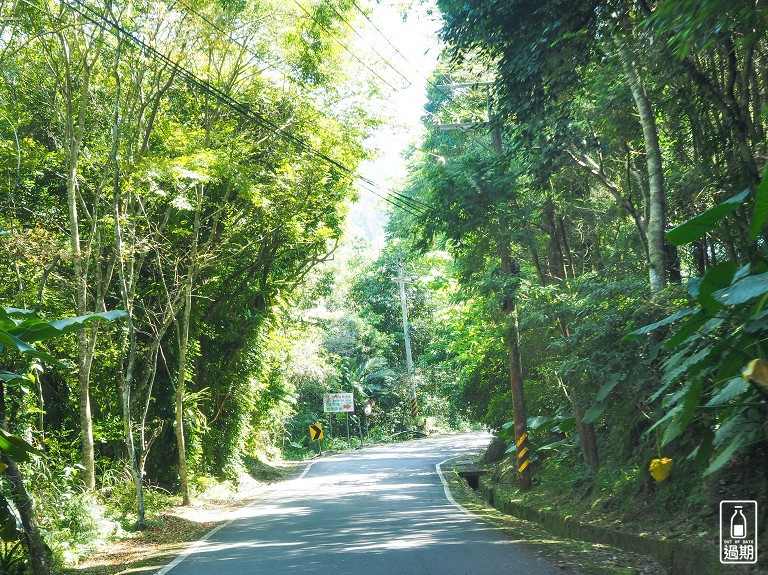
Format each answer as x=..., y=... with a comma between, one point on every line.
x=577, y=253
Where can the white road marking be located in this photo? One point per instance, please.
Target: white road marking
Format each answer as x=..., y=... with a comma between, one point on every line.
x=192, y=548
x=447, y=490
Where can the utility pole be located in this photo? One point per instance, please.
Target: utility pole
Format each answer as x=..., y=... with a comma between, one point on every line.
x=509, y=267
x=406, y=334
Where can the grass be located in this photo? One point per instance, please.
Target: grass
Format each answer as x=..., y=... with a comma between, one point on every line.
x=147, y=551
x=170, y=528
x=574, y=557
x=619, y=497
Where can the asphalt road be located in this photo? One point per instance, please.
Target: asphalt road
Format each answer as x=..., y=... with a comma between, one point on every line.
x=379, y=511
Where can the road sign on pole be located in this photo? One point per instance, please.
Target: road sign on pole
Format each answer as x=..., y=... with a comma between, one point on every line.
x=316, y=431
x=338, y=403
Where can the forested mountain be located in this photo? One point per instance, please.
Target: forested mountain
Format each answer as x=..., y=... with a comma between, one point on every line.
x=580, y=241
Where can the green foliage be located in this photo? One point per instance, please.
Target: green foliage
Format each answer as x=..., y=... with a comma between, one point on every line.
x=8, y=529
x=692, y=25
x=245, y=210
x=723, y=331
x=15, y=447
x=13, y=560
x=266, y=191
x=705, y=222
x=18, y=329
x=760, y=211
x=117, y=487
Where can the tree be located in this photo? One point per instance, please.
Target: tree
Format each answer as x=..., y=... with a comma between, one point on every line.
x=19, y=329
x=538, y=93
x=571, y=83
x=134, y=103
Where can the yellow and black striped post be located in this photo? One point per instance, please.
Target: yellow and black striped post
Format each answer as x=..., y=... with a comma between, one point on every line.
x=414, y=407
x=523, y=459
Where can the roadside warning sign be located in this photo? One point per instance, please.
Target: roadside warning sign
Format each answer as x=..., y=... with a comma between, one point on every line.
x=316, y=431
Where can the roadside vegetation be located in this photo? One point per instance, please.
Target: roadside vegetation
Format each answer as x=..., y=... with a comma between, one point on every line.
x=597, y=178
x=581, y=239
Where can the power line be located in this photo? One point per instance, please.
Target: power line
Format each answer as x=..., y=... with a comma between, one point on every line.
x=412, y=202
x=448, y=93
x=222, y=31
x=383, y=59
x=355, y=4
x=99, y=20
x=344, y=46
x=111, y=26
x=242, y=45
x=444, y=89
x=370, y=182
x=402, y=206
x=437, y=87
x=269, y=65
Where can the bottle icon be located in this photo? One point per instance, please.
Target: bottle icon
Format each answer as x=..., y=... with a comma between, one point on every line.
x=738, y=524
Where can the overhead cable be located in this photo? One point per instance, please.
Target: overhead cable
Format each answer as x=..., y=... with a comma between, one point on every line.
x=344, y=46
x=443, y=89
x=356, y=5
x=402, y=206
x=357, y=32
x=245, y=110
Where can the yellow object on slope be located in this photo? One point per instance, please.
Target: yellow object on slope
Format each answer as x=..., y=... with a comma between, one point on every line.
x=757, y=371
x=660, y=468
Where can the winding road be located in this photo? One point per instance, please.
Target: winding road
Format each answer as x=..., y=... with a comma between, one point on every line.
x=379, y=511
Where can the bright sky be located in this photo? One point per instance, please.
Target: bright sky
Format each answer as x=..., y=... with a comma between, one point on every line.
x=415, y=38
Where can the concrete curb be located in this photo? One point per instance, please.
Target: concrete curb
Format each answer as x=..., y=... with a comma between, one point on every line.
x=679, y=557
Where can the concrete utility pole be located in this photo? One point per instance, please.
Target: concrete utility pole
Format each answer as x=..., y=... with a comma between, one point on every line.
x=509, y=267
x=406, y=334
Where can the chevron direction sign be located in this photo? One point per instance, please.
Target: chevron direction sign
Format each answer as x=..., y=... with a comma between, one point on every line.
x=316, y=431
x=338, y=403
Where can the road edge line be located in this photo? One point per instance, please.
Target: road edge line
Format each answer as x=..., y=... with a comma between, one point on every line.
x=447, y=489
x=303, y=473
x=189, y=550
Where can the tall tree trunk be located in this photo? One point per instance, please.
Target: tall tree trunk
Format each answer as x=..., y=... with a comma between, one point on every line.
x=595, y=254
x=179, y=422
x=586, y=431
x=570, y=271
x=542, y=275
x=184, y=347
x=557, y=271
x=127, y=293
x=87, y=456
x=512, y=338
x=76, y=107
x=41, y=563
x=672, y=259
x=38, y=554
x=656, y=192
x=700, y=256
